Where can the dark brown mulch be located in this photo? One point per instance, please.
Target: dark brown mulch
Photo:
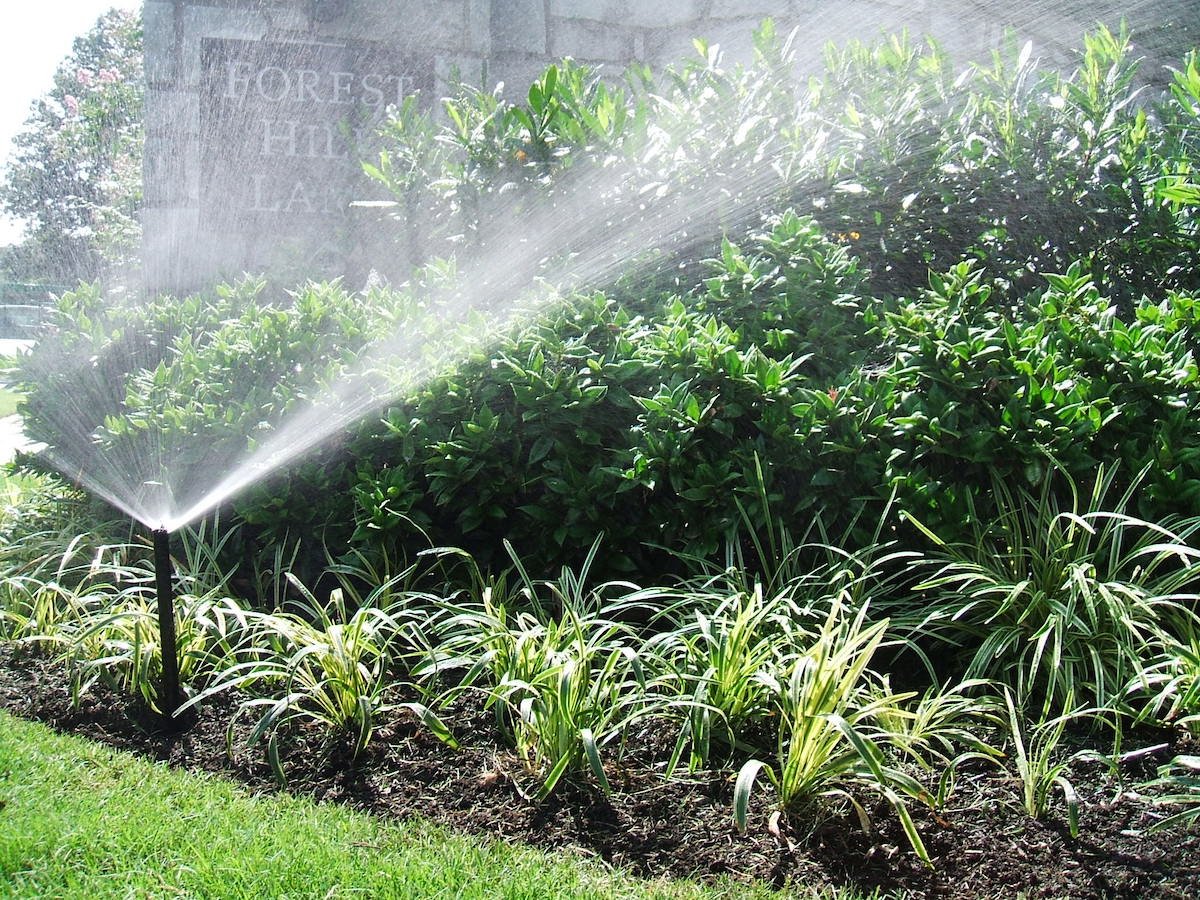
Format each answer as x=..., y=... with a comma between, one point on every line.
x=983, y=845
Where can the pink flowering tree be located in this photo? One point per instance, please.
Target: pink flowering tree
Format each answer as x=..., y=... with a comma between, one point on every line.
x=74, y=175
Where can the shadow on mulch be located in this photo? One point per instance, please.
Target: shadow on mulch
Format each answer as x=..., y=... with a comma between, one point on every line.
x=983, y=845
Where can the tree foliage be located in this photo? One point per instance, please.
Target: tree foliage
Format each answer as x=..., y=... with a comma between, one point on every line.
x=74, y=175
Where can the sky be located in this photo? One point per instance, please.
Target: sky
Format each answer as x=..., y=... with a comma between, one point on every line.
x=34, y=39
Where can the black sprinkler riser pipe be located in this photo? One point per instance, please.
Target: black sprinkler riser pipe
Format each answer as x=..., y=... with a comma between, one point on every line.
x=170, y=695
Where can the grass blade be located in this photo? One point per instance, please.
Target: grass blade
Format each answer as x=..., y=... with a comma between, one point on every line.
x=741, y=792
x=593, y=755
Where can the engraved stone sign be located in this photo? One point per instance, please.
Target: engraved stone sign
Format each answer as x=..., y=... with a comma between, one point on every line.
x=284, y=125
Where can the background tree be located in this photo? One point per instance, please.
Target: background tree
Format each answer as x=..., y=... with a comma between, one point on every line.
x=75, y=174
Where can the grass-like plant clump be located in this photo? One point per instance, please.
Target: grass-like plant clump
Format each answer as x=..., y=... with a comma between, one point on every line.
x=788, y=688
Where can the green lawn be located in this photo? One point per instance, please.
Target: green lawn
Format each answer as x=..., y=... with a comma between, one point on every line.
x=80, y=820
x=8, y=401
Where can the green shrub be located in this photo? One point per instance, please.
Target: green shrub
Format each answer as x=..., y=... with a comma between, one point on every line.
x=974, y=391
x=596, y=419
x=655, y=415
x=748, y=338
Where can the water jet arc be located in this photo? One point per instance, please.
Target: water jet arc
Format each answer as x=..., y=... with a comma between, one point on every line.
x=170, y=696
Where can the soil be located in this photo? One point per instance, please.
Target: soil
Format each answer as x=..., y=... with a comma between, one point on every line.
x=983, y=845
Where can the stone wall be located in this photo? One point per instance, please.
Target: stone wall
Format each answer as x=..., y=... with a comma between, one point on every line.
x=252, y=106
x=527, y=33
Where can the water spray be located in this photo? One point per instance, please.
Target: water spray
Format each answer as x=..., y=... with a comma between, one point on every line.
x=170, y=695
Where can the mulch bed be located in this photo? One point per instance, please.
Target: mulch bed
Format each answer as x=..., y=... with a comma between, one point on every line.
x=983, y=845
